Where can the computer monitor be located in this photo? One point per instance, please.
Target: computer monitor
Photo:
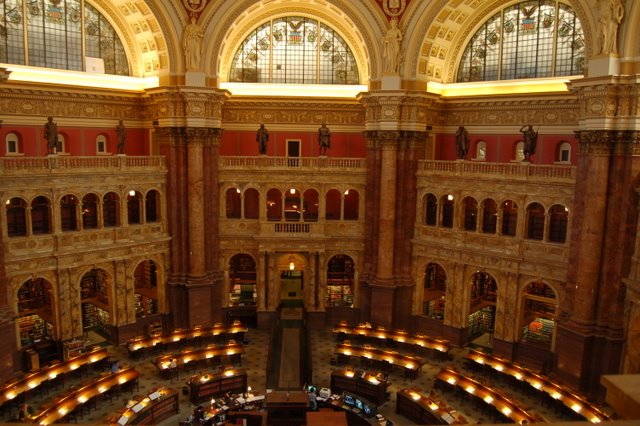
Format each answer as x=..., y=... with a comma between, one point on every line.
x=359, y=404
x=369, y=410
x=349, y=400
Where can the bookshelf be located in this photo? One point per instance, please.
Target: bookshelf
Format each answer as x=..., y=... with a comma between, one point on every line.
x=481, y=321
x=242, y=276
x=33, y=328
x=340, y=277
x=94, y=316
x=540, y=330
x=145, y=302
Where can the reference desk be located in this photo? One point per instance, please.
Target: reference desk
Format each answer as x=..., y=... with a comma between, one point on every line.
x=286, y=408
x=13, y=388
x=163, y=362
x=576, y=402
x=500, y=402
x=151, y=409
x=235, y=331
x=398, y=336
x=76, y=397
x=205, y=386
x=425, y=410
x=370, y=385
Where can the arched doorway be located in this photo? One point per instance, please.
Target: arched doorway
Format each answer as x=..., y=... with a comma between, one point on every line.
x=35, y=312
x=482, y=312
x=292, y=273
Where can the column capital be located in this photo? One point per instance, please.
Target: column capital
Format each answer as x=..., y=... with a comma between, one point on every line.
x=391, y=139
x=609, y=142
x=204, y=136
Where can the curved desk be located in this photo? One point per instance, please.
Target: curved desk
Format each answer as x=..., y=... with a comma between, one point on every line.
x=411, y=364
x=398, y=336
x=139, y=343
x=13, y=388
x=576, y=402
x=185, y=357
x=75, y=397
x=425, y=410
x=158, y=405
x=490, y=396
x=204, y=386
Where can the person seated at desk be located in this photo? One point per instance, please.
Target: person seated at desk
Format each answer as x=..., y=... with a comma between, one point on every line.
x=25, y=413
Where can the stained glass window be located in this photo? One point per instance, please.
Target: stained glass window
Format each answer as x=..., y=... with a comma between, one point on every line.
x=540, y=38
x=54, y=33
x=294, y=49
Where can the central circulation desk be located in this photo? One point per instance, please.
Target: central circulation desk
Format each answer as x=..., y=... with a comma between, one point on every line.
x=13, y=388
x=286, y=408
x=205, y=386
x=542, y=383
x=369, y=385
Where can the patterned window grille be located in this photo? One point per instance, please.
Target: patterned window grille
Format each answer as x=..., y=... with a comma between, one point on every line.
x=296, y=50
x=532, y=39
x=54, y=31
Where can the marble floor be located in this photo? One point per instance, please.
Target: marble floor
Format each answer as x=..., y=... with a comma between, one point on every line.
x=322, y=347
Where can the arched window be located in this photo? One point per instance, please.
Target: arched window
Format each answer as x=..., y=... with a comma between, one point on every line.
x=234, y=203
x=489, y=216
x=110, y=209
x=40, y=215
x=292, y=205
x=558, y=219
x=310, y=199
x=539, y=38
x=55, y=38
x=251, y=203
x=446, y=219
x=61, y=146
x=69, y=213
x=333, y=204
x=431, y=210
x=101, y=144
x=134, y=207
x=294, y=49
x=89, y=211
x=274, y=204
x=340, y=279
x=470, y=213
x=535, y=221
x=12, y=143
x=16, y=217
x=564, y=152
x=152, y=206
x=435, y=287
x=481, y=151
x=351, y=204
x=509, y=218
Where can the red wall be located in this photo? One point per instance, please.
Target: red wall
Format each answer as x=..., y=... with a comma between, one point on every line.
x=501, y=148
x=78, y=141
x=243, y=143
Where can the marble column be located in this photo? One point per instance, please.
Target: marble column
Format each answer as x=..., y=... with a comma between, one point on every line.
x=195, y=201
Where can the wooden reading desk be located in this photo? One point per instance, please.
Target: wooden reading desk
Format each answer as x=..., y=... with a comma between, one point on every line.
x=185, y=357
x=13, y=388
x=75, y=397
x=490, y=396
x=411, y=364
x=150, y=409
x=566, y=396
x=425, y=410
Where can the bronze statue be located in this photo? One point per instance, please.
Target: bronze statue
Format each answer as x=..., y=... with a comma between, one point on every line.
x=324, y=139
x=462, y=142
x=51, y=135
x=530, y=139
x=121, y=137
x=262, y=137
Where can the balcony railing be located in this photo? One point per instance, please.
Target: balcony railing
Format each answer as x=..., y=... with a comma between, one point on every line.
x=518, y=171
x=309, y=163
x=67, y=163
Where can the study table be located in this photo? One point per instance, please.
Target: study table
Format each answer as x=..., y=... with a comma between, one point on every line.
x=13, y=388
x=490, y=396
x=411, y=364
x=77, y=396
x=370, y=385
x=185, y=357
x=425, y=410
x=399, y=336
x=206, y=385
x=159, y=404
x=566, y=396
x=136, y=344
